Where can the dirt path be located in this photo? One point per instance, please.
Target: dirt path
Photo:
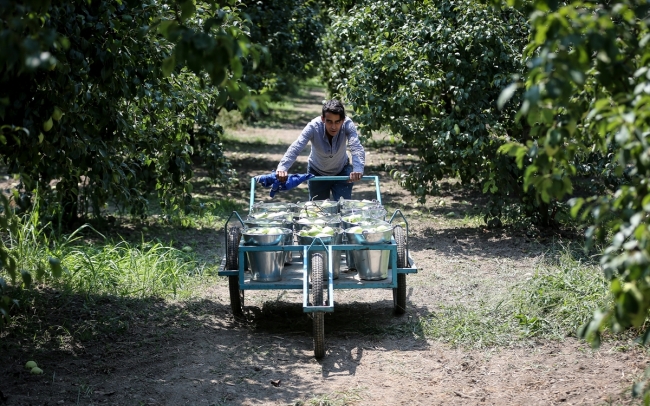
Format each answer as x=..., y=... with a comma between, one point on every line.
x=194, y=353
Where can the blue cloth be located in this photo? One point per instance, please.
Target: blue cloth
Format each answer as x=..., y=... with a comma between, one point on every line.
x=272, y=181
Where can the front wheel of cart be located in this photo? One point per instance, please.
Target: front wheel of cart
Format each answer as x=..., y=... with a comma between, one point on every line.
x=399, y=293
x=232, y=263
x=317, y=271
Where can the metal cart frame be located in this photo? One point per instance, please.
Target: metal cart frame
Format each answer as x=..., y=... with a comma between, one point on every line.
x=298, y=275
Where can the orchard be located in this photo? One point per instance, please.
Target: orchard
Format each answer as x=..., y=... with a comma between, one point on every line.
x=110, y=108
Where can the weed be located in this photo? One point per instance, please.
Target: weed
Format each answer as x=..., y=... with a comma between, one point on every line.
x=124, y=269
x=561, y=296
x=461, y=325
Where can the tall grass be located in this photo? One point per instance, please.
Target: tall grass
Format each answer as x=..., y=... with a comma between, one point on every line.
x=124, y=269
x=98, y=268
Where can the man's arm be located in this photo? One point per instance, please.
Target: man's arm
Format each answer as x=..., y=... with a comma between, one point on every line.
x=358, y=152
x=292, y=153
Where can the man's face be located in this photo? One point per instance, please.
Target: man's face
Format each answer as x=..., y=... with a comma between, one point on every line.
x=333, y=123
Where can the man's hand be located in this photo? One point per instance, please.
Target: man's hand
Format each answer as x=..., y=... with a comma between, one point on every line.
x=282, y=176
x=355, y=176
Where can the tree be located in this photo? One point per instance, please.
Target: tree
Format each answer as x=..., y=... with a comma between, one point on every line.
x=290, y=31
x=432, y=72
x=588, y=90
x=94, y=98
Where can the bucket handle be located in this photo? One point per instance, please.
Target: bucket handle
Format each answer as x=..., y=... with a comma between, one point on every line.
x=399, y=212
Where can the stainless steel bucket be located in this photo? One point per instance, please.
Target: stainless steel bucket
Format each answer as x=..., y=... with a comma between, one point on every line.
x=332, y=220
x=349, y=259
x=266, y=266
x=273, y=207
x=336, y=239
x=317, y=207
x=288, y=237
x=370, y=264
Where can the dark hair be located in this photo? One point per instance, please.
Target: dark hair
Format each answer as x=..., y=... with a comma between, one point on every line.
x=334, y=106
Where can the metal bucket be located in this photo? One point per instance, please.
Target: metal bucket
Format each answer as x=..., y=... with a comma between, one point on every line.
x=357, y=204
x=370, y=264
x=371, y=212
x=349, y=259
x=273, y=207
x=266, y=266
x=252, y=222
x=272, y=215
x=336, y=239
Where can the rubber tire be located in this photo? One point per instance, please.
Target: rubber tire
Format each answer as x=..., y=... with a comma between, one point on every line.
x=232, y=263
x=399, y=293
x=317, y=271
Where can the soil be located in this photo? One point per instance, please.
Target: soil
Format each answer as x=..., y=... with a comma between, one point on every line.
x=162, y=352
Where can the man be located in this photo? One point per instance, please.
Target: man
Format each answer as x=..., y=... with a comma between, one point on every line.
x=329, y=135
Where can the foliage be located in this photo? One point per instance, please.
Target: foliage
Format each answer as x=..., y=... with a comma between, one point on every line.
x=290, y=31
x=588, y=90
x=94, y=98
x=432, y=72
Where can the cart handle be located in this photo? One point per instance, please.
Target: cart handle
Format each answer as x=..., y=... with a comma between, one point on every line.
x=374, y=178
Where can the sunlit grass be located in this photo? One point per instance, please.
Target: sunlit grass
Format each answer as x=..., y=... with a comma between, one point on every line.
x=560, y=297
x=100, y=267
x=128, y=270
x=553, y=303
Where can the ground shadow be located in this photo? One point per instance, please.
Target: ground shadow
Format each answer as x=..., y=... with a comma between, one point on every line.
x=149, y=351
x=507, y=242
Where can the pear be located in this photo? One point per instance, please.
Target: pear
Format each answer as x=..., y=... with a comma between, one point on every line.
x=47, y=125
x=57, y=113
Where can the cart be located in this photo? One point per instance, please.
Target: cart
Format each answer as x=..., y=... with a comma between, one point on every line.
x=309, y=275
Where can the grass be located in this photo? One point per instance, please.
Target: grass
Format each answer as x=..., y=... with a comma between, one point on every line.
x=559, y=297
x=100, y=266
x=127, y=270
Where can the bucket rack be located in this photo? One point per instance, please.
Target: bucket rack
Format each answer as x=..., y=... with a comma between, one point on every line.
x=308, y=275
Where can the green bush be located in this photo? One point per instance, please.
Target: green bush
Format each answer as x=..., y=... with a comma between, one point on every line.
x=432, y=72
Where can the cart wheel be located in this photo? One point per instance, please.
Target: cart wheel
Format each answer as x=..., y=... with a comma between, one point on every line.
x=399, y=293
x=232, y=263
x=317, y=271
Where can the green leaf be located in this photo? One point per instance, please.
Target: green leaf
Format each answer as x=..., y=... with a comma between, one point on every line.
x=168, y=65
x=506, y=95
x=27, y=278
x=188, y=8
x=55, y=266
x=576, y=204
x=168, y=29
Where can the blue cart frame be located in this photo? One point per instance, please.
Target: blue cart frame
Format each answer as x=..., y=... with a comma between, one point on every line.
x=297, y=275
